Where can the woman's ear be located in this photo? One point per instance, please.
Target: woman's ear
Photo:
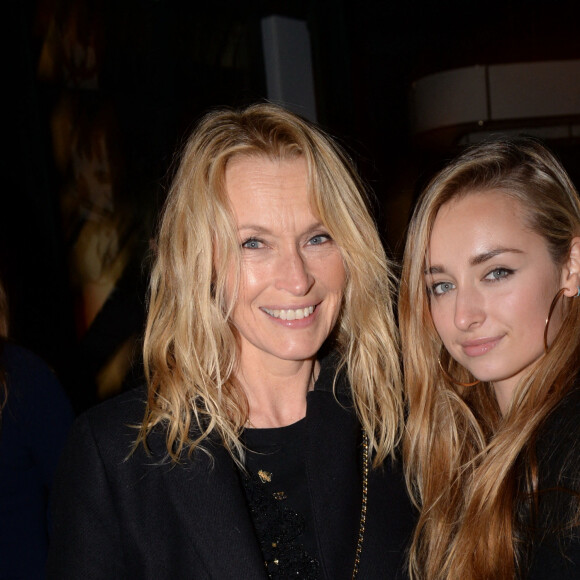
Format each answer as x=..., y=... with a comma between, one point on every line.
x=571, y=270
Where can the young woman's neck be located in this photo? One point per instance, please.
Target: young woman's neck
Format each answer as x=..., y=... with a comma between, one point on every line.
x=504, y=392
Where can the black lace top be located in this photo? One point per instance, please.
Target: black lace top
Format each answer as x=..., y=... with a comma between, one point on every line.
x=279, y=502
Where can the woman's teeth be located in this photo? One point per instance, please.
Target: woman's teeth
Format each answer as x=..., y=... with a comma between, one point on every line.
x=291, y=314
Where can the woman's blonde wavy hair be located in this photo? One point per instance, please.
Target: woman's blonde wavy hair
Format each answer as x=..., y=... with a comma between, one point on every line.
x=190, y=350
x=462, y=458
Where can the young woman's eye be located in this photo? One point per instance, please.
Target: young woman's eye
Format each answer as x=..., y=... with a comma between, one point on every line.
x=252, y=244
x=319, y=239
x=441, y=288
x=499, y=274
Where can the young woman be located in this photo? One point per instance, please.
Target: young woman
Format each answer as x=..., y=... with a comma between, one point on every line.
x=262, y=445
x=489, y=324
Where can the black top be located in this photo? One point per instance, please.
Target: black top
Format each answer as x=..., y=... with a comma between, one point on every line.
x=555, y=551
x=277, y=494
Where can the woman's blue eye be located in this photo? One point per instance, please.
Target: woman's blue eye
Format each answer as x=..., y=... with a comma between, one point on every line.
x=252, y=244
x=441, y=288
x=319, y=239
x=499, y=274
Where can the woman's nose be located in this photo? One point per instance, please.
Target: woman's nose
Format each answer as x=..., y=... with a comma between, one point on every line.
x=469, y=308
x=293, y=273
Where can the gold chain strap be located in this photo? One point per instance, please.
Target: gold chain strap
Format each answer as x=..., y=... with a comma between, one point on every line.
x=363, y=509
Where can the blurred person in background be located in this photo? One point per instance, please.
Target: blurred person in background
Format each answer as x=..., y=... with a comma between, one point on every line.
x=35, y=417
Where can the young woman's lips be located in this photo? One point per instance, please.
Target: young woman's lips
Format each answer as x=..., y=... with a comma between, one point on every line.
x=480, y=346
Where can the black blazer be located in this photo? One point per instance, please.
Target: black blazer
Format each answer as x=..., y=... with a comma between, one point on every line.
x=554, y=549
x=137, y=516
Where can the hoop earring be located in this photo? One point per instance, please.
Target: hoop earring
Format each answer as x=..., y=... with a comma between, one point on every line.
x=550, y=312
x=452, y=380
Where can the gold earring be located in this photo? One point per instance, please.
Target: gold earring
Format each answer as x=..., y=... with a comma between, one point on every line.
x=552, y=306
x=452, y=380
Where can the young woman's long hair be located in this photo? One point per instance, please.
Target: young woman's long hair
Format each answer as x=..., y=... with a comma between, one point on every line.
x=190, y=349
x=468, y=468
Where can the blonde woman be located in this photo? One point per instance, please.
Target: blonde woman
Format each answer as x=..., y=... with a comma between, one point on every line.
x=266, y=438
x=489, y=323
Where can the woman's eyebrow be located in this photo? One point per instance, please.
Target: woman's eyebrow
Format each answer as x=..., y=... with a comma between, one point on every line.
x=254, y=229
x=259, y=229
x=434, y=270
x=476, y=260
x=485, y=256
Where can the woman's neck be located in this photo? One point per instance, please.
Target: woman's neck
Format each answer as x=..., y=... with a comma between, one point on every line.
x=504, y=392
x=277, y=396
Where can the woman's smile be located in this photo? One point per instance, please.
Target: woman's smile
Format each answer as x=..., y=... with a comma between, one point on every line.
x=292, y=275
x=290, y=313
x=480, y=346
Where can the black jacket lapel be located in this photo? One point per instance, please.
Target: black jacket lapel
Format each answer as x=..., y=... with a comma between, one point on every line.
x=335, y=488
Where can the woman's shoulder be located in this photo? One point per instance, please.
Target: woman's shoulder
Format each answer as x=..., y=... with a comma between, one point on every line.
x=23, y=367
x=126, y=407
x=556, y=545
x=558, y=443
x=563, y=422
x=111, y=427
x=117, y=415
x=35, y=395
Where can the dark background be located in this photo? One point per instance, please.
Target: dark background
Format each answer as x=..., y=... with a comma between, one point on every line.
x=138, y=73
